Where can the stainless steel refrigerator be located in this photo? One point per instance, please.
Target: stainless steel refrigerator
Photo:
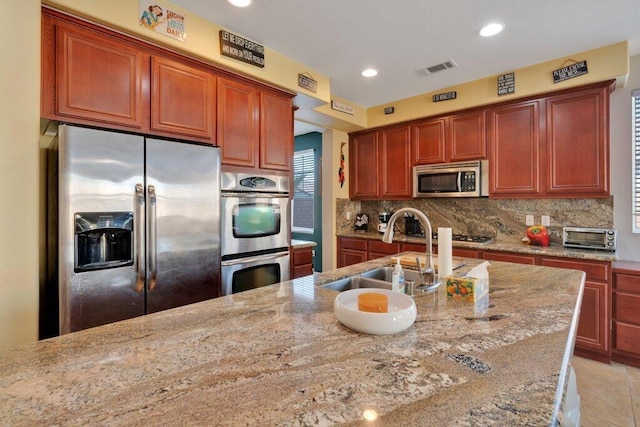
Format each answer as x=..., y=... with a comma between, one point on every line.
x=137, y=228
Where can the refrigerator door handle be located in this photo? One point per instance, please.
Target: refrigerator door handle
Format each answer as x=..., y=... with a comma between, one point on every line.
x=140, y=251
x=152, y=244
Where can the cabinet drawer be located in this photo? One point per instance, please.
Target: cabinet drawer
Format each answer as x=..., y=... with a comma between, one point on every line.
x=626, y=282
x=302, y=270
x=595, y=270
x=467, y=253
x=347, y=243
x=627, y=308
x=302, y=256
x=627, y=338
x=502, y=256
x=384, y=248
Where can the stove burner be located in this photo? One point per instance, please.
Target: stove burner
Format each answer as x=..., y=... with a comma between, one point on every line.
x=463, y=238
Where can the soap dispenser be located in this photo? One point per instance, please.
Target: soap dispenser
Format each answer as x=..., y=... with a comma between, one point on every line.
x=397, y=279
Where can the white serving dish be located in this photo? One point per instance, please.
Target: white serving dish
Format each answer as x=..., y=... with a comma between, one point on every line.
x=402, y=312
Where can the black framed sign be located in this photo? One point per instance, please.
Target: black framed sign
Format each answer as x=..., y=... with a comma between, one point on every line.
x=570, y=71
x=507, y=84
x=445, y=96
x=237, y=47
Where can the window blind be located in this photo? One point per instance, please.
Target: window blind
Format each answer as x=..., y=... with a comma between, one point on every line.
x=636, y=160
x=303, y=190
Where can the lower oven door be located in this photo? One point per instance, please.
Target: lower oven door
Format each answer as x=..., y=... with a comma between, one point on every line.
x=254, y=222
x=242, y=274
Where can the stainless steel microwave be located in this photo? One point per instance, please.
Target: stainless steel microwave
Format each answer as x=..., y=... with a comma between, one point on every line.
x=590, y=238
x=460, y=179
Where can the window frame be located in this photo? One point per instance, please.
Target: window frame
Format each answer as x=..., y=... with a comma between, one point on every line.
x=309, y=153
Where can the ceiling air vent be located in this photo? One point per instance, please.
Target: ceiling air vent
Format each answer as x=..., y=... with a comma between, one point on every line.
x=438, y=67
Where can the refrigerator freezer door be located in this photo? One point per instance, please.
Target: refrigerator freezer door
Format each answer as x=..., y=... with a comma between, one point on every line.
x=97, y=176
x=183, y=228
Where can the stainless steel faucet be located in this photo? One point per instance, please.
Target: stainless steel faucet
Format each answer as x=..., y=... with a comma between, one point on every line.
x=428, y=273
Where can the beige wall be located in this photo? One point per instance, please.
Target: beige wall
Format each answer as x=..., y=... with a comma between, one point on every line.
x=19, y=186
x=622, y=164
x=331, y=190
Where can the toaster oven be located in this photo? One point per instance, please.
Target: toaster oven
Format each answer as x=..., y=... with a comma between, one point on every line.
x=590, y=238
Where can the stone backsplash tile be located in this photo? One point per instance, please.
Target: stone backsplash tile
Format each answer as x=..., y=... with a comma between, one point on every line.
x=502, y=219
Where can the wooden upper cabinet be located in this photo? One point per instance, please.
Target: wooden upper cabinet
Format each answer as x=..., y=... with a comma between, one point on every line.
x=276, y=131
x=255, y=127
x=428, y=142
x=514, y=149
x=363, y=170
x=182, y=99
x=237, y=128
x=394, y=163
x=467, y=136
x=578, y=142
x=380, y=164
x=454, y=138
x=96, y=78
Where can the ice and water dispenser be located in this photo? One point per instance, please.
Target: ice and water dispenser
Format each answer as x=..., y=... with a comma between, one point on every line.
x=103, y=240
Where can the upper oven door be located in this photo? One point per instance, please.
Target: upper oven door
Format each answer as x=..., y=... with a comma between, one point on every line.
x=254, y=222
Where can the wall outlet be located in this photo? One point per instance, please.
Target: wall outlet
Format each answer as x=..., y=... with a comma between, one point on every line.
x=546, y=220
x=529, y=220
x=348, y=215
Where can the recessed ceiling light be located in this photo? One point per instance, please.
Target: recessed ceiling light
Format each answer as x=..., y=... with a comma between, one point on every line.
x=240, y=3
x=491, y=30
x=369, y=72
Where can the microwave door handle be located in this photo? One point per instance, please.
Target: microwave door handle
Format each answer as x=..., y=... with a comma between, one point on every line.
x=140, y=251
x=459, y=182
x=258, y=258
x=153, y=243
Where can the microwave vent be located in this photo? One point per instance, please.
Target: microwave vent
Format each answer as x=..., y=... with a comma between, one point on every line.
x=438, y=67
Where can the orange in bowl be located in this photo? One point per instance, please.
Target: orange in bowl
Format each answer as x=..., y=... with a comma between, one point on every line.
x=373, y=302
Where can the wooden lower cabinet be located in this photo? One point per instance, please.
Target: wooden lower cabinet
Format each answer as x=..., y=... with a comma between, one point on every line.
x=593, y=339
x=379, y=249
x=351, y=251
x=626, y=313
x=301, y=262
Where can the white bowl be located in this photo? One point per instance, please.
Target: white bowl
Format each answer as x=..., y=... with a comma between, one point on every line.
x=401, y=315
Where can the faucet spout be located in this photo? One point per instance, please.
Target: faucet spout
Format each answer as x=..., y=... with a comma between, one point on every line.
x=428, y=273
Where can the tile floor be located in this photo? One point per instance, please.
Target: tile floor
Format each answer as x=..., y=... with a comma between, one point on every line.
x=609, y=394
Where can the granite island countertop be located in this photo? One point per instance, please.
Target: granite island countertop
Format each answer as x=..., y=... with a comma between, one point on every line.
x=276, y=355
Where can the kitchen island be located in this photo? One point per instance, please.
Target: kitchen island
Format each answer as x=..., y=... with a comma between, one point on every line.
x=277, y=356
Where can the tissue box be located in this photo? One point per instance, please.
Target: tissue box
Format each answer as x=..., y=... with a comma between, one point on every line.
x=467, y=288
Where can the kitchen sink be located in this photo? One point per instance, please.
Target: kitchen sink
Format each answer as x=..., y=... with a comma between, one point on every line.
x=379, y=278
x=357, y=282
x=386, y=274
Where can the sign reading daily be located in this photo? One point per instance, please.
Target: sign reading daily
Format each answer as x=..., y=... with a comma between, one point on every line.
x=242, y=49
x=445, y=96
x=570, y=71
x=507, y=84
x=159, y=17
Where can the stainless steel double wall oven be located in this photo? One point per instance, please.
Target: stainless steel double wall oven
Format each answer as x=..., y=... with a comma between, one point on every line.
x=255, y=235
